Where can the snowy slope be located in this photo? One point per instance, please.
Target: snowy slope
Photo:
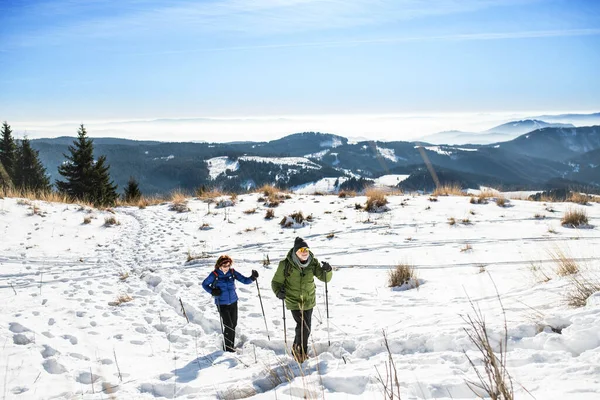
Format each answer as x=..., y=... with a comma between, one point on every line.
x=63, y=336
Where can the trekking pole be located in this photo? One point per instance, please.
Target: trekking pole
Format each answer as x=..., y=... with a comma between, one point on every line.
x=327, y=308
x=284, y=329
x=222, y=328
x=263, y=310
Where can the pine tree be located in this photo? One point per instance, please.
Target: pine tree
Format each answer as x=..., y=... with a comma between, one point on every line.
x=29, y=172
x=86, y=179
x=132, y=191
x=7, y=150
x=5, y=181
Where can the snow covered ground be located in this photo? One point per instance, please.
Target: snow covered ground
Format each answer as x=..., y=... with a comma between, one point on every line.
x=63, y=334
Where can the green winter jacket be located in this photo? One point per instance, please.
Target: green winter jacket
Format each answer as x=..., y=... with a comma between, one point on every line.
x=299, y=282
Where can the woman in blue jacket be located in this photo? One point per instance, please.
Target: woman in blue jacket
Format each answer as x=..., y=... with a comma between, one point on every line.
x=221, y=284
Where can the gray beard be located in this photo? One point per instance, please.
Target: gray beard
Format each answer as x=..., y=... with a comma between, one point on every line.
x=300, y=263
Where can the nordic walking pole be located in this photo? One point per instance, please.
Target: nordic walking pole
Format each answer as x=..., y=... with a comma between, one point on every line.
x=222, y=328
x=284, y=329
x=327, y=308
x=263, y=309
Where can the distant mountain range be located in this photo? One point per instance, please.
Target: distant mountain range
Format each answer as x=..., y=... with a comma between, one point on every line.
x=499, y=133
x=561, y=155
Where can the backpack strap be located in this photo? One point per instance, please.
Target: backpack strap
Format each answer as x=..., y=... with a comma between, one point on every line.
x=216, y=279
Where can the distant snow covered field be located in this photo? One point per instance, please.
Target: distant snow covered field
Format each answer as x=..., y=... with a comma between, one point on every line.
x=94, y=311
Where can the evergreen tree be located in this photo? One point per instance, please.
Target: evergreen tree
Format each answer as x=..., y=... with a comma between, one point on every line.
x=7, y=150
x=86, y=179
x=29, y=172
x=5, y=181
x=132, y=191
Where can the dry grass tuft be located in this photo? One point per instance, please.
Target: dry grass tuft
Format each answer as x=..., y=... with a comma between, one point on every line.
x=330, y=235
x=448, y=189
x=209, y=195
x=403, y=273
x=346, y=193
x=574, y=218
x=539, y=272
x=581, y=289
x=494, y=380
x=111, y=220
x=269, y=191
x=250, y=211
x=502, y=201
x=376, y=200
x=565, y=264
x=296, y=217
x=87, y=220
x=579, y=198
x=451, y=221
x=466, y=247
x=270, y=214
x=124, y=298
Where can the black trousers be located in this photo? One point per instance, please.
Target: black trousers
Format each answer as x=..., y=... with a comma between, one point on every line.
x=229, y=316
x=303, y=323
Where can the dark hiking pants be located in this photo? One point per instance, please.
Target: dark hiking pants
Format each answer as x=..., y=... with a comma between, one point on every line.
x=303, y=321
x=229, y=316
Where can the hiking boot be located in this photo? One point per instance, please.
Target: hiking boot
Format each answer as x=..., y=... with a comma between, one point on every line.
x=299, y=355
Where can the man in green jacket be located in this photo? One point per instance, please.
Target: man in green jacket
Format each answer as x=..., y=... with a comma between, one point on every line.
x=294, y=282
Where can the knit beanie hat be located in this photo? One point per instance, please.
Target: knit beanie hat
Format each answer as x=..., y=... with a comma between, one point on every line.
x=299, y=243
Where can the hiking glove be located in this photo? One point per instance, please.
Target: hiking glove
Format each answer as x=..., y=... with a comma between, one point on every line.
x=281, y=294
x=216, y=292
x=326, y=266
x=254, y=275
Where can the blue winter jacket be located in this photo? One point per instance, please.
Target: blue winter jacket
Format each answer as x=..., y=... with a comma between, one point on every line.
x=225, y=282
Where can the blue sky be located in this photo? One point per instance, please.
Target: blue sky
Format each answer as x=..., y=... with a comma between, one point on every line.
x=85, y=60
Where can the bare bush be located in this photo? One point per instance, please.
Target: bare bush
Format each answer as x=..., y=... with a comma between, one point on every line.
x=403, y=273
x=390, y=383
x=574, y=218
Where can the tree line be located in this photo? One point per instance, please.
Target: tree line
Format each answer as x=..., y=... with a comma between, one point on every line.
x=85, y=178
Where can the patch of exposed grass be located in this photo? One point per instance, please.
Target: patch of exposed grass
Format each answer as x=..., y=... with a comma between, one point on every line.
x=448, y=189
x=565, y=265
x=581, y=289
x=270, y=214
x=403, y=273
x=111, y=220
x=346, y=193
x=574, y=218
x=376, y=200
